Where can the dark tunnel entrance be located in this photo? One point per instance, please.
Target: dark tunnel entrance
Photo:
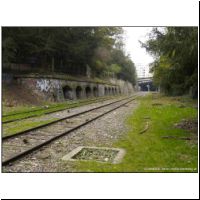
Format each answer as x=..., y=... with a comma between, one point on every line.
x=88, y=92
x=68, y=94
x=78, y=92
x=113, y=91
x=109, y=91
x=95, y=92
x=105, y=91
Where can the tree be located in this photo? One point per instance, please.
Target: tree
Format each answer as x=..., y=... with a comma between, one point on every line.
x=176, y=59
x=69, y=50
x=127, y=71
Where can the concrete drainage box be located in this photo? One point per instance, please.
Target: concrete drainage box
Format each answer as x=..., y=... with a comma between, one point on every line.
x=99, y=154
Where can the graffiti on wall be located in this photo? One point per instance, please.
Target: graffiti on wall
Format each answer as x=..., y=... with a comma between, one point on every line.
x=45, y=85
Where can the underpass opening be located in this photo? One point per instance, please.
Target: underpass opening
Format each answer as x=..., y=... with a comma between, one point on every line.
x=146, y=86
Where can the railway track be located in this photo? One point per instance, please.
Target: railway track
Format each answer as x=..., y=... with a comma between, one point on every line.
x=18, y=146
x=67, y=113
x=51, y=109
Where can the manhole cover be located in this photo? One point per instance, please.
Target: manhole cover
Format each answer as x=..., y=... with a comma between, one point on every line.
x=100, y=154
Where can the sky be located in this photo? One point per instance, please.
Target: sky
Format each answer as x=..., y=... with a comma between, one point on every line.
x=132, y=46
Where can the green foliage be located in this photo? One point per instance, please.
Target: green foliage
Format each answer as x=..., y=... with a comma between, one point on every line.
x=128, y=71
x=9, y=47
x=176, y=59
x=115, y=68
x=66, y=49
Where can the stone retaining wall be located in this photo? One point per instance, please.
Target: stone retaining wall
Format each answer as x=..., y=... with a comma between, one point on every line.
x=53, y=89
x=59, y=90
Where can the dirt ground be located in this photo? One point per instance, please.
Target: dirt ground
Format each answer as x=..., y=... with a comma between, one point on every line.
x=16, y=95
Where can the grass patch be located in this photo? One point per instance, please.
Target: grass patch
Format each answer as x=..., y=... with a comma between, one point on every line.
x=149, y=152
x=23, y=126
x=102, y=155
x=26, y=124
x=32, y=112
x=15, y=109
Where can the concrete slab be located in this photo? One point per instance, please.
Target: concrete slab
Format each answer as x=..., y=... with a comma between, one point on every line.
x=117, y=159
